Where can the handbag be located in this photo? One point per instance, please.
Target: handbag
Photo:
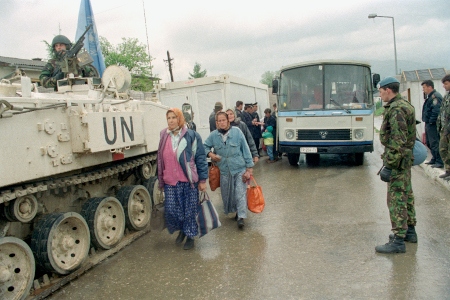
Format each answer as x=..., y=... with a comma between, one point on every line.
x=157, y=218
x=214, y=177
x=207, y=217
x=255, y=197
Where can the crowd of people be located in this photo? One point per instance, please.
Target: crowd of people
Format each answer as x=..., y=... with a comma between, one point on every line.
x=234, y=144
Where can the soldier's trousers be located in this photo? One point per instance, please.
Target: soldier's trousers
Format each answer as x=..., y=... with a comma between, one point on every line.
x=444, y=148
x=400, y=201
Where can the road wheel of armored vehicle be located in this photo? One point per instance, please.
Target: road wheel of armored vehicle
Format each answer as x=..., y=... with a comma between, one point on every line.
x=145, y=171
x=106, y=220
x=152, y=187
x=293, y=158
x=137, y=205
x=16, y=268
x=60, y=242
x=313, y=159
x=22, y=209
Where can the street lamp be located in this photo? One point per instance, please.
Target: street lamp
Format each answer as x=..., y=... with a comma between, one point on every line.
x=373, y=16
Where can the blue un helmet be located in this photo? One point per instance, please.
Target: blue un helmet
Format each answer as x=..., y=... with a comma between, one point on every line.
x=387, y=81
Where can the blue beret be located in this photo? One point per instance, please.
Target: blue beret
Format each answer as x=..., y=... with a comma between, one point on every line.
x=387, y=81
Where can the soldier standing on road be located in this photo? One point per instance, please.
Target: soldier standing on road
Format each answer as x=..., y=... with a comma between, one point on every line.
x=430, y=113
x=51, y=73
x=397, y=134
x=443, y=126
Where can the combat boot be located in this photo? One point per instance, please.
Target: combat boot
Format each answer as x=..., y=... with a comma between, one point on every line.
x=396, y=245
x=411, y=235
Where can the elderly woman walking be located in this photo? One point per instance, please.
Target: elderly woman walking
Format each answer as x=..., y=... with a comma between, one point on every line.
x=235, y=163
x=182, y=172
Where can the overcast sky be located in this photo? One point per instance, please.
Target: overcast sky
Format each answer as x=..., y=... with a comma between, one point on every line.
x=241, y=38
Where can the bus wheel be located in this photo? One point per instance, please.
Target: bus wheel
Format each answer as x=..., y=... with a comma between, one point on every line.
x=293, y=158
x=312, y=159
x=359, y=158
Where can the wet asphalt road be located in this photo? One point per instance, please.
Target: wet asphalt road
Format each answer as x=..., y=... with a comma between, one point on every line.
x=315, y=240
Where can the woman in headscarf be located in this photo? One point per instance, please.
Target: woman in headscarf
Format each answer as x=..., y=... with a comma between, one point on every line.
x=235, y=163
x=182, y=173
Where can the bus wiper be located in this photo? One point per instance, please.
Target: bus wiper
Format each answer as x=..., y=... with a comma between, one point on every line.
x=340, y=106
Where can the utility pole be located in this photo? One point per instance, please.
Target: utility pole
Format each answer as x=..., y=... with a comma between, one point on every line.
x=169, y=62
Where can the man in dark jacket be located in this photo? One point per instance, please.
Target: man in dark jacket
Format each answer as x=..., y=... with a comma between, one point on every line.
x=247, y=115
x=270, y=120
x=430, y=112
x=238, y=109
x=256, y=128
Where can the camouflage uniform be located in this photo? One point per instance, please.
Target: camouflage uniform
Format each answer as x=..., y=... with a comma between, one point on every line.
x=443, y=126
x=397, y=134
x=48, y=79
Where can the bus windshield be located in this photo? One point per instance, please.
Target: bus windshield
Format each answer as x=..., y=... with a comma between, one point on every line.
x=326, y=87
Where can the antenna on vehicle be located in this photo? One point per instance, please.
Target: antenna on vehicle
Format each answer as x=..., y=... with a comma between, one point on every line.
x=148, y=46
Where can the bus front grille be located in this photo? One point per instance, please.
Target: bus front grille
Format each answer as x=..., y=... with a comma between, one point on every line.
x=324, y=134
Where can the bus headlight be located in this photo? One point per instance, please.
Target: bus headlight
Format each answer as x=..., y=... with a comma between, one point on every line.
x=289, y=134
x=359, y=134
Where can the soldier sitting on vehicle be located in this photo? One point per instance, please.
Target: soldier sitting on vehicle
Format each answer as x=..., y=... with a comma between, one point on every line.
x=52, y=72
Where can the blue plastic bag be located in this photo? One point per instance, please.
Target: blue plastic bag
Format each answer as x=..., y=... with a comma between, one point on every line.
x=420, y=153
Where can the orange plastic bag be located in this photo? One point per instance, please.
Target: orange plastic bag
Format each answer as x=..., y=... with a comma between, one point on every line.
x=214, y=177
x=255, y=197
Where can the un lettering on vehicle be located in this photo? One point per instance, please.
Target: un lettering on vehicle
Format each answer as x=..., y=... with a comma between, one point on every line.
x=97, y=132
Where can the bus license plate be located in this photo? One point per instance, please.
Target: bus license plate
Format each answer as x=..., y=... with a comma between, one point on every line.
x=308, y=150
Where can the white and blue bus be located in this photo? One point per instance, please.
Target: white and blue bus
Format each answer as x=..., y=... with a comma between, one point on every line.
x=325, y=107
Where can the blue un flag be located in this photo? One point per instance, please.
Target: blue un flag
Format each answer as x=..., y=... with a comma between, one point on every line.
x=91, y=41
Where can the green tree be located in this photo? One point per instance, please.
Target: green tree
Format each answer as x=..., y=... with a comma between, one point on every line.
x=197, y=73
x=268, y=77
x=49, y=49
x=132, y=55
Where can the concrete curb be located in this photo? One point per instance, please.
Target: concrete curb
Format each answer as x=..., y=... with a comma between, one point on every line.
x=434, y=174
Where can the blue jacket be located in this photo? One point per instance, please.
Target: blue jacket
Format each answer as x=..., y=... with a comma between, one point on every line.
x=190, y=154
x=235, y=154
x=431, y=107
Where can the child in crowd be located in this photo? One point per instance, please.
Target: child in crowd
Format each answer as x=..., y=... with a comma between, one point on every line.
x=268, y=141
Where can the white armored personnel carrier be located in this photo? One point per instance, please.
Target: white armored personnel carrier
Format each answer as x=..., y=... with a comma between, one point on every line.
x=77, y=168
